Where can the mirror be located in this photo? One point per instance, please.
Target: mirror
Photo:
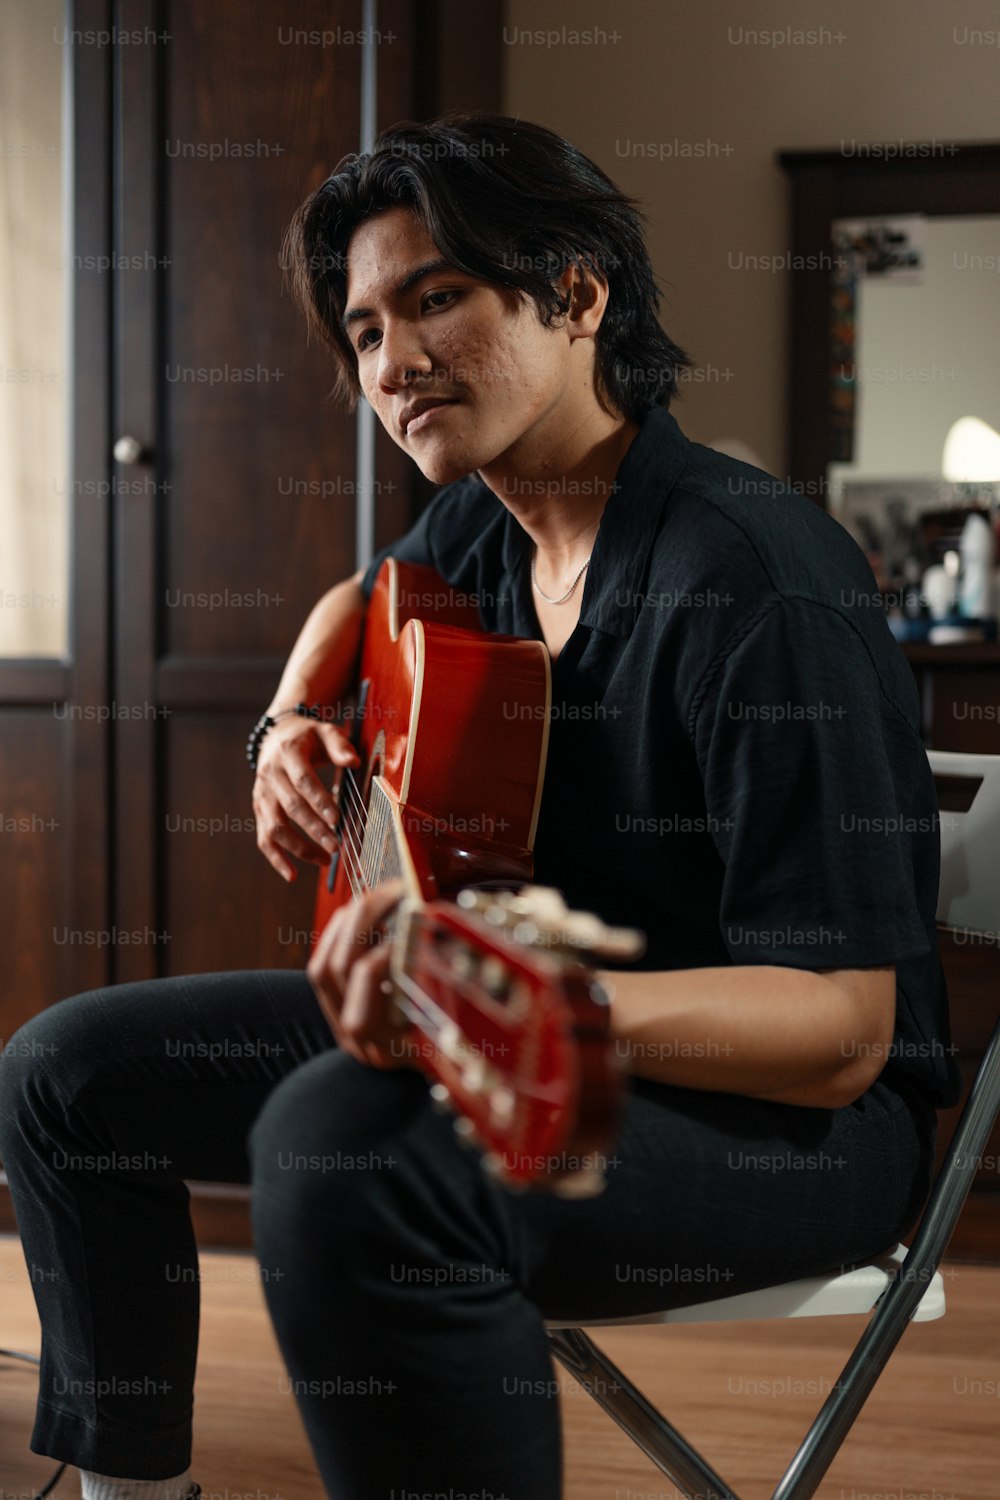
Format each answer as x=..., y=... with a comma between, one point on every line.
x=915, y=329
x=916, y=340
x=34, y=513
x=895, y=323
x=923, y=221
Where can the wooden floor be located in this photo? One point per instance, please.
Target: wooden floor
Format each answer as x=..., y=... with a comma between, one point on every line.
x=743, y=1394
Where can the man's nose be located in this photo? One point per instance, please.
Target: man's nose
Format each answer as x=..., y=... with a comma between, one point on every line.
x=401, y=353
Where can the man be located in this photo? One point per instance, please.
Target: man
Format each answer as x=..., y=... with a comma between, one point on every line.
x=735, y=766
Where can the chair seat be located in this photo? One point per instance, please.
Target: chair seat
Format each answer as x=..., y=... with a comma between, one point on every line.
x=854, y=1291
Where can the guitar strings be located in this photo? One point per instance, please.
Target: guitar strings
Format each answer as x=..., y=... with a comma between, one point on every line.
x=414, y=1002
x=348, y=782
x=351, y=842
x=353, y=809
x=353, y=820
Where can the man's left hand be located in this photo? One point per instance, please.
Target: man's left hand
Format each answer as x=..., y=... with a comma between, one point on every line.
x=349, y=970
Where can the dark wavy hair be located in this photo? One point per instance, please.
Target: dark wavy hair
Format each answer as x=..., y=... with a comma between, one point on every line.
x=510, y=203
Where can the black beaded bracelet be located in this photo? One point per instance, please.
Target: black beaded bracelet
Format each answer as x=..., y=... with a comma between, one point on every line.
x=267, y=721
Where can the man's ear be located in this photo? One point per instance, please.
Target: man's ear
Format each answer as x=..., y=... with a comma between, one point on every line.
x=583, y=297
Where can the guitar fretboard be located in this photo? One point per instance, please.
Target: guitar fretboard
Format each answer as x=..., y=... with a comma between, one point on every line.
x=380, y=859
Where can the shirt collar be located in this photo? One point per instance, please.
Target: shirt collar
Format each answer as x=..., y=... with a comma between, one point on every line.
x=631, y=518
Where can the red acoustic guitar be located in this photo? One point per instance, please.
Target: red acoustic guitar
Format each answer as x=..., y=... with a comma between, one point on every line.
x=451, y=729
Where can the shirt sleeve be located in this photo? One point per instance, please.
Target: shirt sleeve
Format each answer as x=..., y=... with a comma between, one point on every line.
x=818, y=794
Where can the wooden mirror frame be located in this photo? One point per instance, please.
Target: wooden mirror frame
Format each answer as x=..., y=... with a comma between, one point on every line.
x=938, y=177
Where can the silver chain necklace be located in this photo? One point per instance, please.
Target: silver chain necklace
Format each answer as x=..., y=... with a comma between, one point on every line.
x=563, y=597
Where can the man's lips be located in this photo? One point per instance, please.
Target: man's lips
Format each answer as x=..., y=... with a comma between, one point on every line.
x=425, y=411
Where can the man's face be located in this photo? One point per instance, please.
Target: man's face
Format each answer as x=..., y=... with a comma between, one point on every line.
x=451, y=338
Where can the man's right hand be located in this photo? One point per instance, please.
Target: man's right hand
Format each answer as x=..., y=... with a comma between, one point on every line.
x=295, y=813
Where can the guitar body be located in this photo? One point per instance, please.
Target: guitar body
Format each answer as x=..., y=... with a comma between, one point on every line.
x=452, y=730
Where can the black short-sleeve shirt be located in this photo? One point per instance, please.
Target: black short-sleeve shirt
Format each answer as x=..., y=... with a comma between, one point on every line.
x=735, y=762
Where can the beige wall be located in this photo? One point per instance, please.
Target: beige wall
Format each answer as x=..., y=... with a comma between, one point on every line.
x=684, y=71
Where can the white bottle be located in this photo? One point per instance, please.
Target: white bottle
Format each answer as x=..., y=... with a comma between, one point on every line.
x=938, y=591
x=976, y=547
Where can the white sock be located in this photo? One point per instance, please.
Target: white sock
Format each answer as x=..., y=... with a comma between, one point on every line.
x=103, y=1487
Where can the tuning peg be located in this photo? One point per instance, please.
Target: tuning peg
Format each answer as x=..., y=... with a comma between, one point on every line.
x=464, y=962
x=495, y=907
x=587, y=1183
x=541, y=902
x=537, y=916
x=620, y=943
x=441, y=1101
x=503, y=1103
x=495, y=977
x=528, y=933
x=493, y=1164
x=466, y=1131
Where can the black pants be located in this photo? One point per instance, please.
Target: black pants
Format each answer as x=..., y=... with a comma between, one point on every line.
x=407, y=1289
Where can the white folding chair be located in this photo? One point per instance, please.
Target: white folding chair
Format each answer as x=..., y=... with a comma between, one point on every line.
x=900, y=1286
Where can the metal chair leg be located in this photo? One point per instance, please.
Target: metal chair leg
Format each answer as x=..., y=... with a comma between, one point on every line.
x=623, y=1401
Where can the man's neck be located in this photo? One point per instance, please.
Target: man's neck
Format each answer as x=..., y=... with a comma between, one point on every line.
x=558, y=496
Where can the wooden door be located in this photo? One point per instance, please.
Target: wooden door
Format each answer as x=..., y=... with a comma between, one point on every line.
x=126, y=839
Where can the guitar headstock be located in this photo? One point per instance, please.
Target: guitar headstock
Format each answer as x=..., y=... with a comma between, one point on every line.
x=515, y=1028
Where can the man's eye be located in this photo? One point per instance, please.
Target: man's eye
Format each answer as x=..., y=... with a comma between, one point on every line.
x=446, y=294
x=363, y=339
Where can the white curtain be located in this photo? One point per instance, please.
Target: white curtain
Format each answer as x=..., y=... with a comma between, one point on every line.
x=34, y=505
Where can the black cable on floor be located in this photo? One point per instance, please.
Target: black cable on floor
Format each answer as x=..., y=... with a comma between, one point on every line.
x=47, y=1489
